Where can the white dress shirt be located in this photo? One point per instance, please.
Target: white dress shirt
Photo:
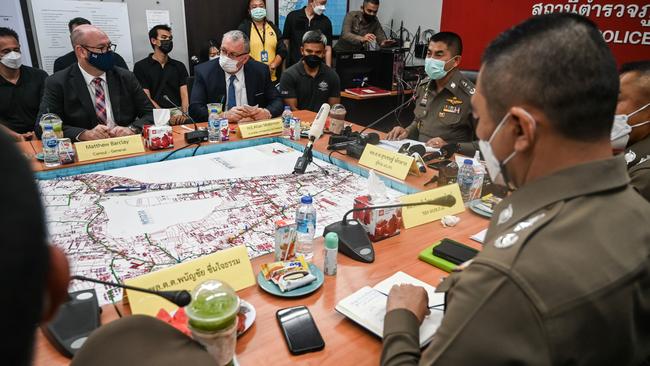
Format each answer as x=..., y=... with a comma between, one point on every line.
x=240, y=87
x=110, y=121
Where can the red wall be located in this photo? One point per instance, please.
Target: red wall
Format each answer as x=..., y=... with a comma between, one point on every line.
x=478, y=22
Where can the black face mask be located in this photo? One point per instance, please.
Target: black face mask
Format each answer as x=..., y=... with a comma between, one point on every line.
x=369, y=18
x=166, y=46
x=312, y=61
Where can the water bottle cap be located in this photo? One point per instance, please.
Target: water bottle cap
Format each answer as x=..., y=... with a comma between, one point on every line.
x=214, y=110
x=331, y=241
x=468, y=162
x=286, y=107
x=306, y=200
x=48, y=127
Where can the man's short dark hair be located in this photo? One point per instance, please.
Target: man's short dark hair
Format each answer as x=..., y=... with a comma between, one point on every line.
x=24, y=262
x=153, y=32
x=77, y=21
x=451, y=39
x=558, y=63
x=376, y=2
x=8, y=32
x=314, y=36
x=642, y=67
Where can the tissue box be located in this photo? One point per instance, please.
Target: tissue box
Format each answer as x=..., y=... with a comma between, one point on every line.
x=379, y=224
x=158, y=137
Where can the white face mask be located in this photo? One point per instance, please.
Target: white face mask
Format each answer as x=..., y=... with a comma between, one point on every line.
x=620, y=134
x=494, y=167
x=227, y=64
x=319, y=9
x=12, y=60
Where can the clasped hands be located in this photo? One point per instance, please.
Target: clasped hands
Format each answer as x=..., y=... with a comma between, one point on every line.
x=104, y=132
x=246, y=113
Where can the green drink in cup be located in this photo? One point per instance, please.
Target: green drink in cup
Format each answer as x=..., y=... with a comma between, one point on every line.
x=212, y=318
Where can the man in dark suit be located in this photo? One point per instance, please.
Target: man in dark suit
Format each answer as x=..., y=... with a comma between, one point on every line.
x=94, y=99
x=243, y=85
x=70, y=58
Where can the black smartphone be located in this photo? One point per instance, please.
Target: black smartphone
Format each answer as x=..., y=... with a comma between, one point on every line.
x=299, y=330
x=439, y=164
x=454, y=251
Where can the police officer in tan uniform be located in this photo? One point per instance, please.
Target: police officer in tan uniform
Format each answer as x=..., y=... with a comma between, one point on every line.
x=633, y=109
x=564, y=276
x=443, y=112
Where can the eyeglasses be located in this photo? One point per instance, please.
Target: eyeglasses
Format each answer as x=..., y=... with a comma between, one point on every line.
x=231, y=54
x=102, y=49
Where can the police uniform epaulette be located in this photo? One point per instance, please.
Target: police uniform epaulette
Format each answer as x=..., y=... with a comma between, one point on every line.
x=467, y=86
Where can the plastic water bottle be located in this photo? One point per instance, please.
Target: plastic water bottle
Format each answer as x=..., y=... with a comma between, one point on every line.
x=466, y=179
x=50, y=146
x=306, y=228
x=287, y=116
x=214, y=126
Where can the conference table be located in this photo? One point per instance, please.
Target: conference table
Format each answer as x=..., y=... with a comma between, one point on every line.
x=346, y=343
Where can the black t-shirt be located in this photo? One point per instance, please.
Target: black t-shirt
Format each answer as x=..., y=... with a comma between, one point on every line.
x=70, y=58
x=162, y=80
x=297, y=24
x=311, y=92
x=19, y=103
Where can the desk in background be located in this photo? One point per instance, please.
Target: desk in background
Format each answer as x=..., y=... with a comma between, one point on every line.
x=264, y=343
x=365, y=110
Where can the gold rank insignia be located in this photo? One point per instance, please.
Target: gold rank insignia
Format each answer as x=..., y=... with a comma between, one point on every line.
x=441, y=114
x=454, y=101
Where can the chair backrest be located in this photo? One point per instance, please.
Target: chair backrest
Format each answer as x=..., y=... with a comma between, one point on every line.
x=190, y=84
x=471, y=75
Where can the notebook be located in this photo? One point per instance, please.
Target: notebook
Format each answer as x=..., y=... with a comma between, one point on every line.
x=367, y=306
x=368, y=91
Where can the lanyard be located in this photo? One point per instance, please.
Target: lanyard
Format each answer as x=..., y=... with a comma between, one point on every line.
x=262, y=38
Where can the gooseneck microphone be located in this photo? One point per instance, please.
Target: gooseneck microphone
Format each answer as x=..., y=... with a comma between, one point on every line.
x=191, y=137
x=179, y=298
x=353, y=239
x=408, y=101
x=315, y=132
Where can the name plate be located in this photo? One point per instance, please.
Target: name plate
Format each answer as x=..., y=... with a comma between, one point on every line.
x=261, y=128
x=387, y=162
x=231, y=266
x=419, y=215
x=108, y=148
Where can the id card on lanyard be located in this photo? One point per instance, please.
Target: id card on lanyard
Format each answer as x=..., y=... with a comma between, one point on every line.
x=264, y=55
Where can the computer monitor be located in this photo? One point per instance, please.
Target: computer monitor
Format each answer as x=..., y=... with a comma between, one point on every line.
x=354, y=68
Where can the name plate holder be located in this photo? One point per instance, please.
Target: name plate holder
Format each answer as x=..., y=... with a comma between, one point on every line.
x=419, y=215
x=260, y=128
x=231, y=266
x=109, y=148
x=387, y=162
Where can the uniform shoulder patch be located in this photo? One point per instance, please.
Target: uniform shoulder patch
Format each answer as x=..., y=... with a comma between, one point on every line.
x=467, y=86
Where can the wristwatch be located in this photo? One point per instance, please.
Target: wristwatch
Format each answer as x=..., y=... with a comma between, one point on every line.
x=137, y=130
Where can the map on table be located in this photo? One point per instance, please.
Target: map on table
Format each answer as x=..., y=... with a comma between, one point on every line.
x=335, y=10
x=186, y=208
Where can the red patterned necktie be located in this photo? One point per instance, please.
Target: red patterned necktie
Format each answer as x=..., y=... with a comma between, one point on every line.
x=100, y=101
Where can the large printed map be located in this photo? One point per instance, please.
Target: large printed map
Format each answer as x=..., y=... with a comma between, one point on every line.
x=187, y=208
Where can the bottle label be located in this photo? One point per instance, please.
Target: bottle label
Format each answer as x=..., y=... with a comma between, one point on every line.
x=51, y=143
x=329, y=268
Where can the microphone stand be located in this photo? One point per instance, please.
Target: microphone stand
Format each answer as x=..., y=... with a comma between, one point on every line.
x=191, y=137
x=412, y=99
x=353, y=238
x=180, y=298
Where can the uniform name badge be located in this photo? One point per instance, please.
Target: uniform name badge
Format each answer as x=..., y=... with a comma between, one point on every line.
x=264, y=56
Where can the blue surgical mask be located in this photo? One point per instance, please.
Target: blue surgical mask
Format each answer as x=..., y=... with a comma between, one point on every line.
x=435, y=69
x=258, y=13
x=103, y=61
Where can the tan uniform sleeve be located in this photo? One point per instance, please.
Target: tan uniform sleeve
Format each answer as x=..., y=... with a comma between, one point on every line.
x=346, y=31
x=641, y=179
x=379, y=33
x=401, y=338
x=489, y=321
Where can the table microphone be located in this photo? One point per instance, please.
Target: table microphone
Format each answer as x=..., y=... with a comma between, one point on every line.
x=353, y=238
x=179, y=298
x=371, y=138
x=191, y=137
x=315, y=132
x=76, y=319
x=445, y=152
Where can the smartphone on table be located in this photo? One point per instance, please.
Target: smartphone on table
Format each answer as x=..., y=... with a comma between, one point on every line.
x=299, y=329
